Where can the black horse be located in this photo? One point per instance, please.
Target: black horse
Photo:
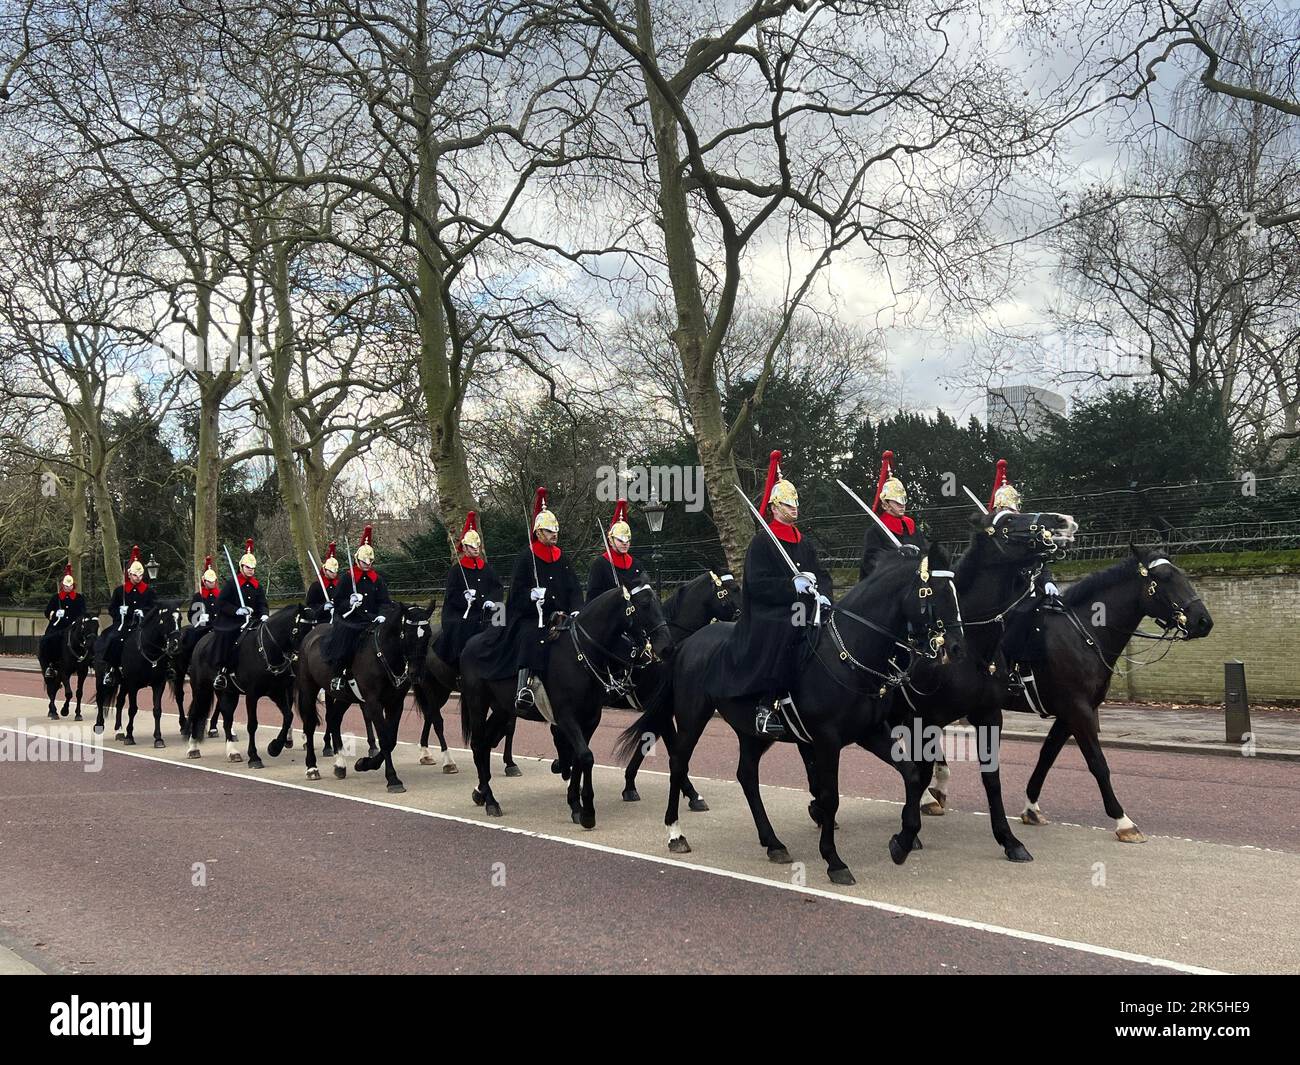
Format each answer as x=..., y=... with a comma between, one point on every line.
x=144, y=664
x=75, y=652
x=907, y=606
x=995, y=574
x=381, y=673
x=1082, y=644
x=264, y=660
x=709, y=598
x=592, y=655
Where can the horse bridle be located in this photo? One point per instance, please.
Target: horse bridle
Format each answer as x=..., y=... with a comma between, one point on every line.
x=1036, y=535
x=88, y=645
x=620, y=685
x=1178, y=612
x=154, y=612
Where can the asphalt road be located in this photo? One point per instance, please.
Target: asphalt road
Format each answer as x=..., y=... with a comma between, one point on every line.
x=156, y=863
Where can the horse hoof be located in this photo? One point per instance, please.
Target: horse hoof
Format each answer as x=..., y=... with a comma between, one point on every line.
x=933, y=809
x=77, y=717
x=679, y=845
x=477, y=796
x=158, y=744
x=428, y=759
x=631, y=795
x=396, y=789
x=119, y=736
x=1130, y=835
x=313, y=773
x=917, y=845
x=234, y=756
x=99, y=730
x=195, y=753
x=698, y=806
x=897, y=851
x=274, y=748
x=1017, y=853
x=493, y=809
x=255, y=763
x=588, y=820
x=1032, y=817
x=514, y=771
x=327, y=751
x=52, y=716
x=64, y=712
x=556, y=767
x=451, y=767
x=841, y=876
x=212, y=733
x=128, y=741
x=779, y=855
x=340, y=772
x=288, y=742
x=575, y=816
x=362, y=765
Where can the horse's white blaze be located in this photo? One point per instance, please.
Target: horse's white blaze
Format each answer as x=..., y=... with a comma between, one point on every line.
x=674, y=831
x=1122, y=823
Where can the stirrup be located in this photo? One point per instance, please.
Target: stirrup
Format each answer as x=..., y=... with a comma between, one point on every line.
x=767, y=722
x=51, y=673
x=524, y=698
x=219, y=681
x=336, y=683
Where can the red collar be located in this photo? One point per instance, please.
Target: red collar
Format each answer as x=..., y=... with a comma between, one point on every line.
x=358, y=573
x=546, y=553
x=209, y=593
x=329, y=581
x=67, y=595
x=244, y=582
x=471, y=563
x=897, y=525
x=622, y=561
x=129, y=588
x=786, y=533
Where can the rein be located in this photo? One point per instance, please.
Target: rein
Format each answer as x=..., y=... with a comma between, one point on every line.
x=154, y=615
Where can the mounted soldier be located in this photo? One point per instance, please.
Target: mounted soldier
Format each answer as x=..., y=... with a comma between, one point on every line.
x=240, y=605
x=471, y=597
x=320, y=596
x=891, y=504
x=1023, y=643
x=360, y=597
x=779, y=609
x=66, y=605
x=203, y=608
x=615, y=563
x=128, y=605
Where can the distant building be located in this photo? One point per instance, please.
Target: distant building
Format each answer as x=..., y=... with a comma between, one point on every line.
x=1021, y=408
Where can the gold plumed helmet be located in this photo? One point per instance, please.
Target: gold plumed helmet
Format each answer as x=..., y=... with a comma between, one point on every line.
x=366, y=550
x=1004, y=497
x=893, y=490
x=619, y=529
x=208, y=574
x=248, y=559
x=543, y=519
x=331, y=561
x=777, y=489
x=135, y=568
x=69, y=581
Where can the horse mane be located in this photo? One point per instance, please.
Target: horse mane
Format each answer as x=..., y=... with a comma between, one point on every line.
x=1094, y=583
x=887, y=577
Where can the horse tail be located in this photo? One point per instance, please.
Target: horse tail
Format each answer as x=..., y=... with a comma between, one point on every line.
x=652, y=722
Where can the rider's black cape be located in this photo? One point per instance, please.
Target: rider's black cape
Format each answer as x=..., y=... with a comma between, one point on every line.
x=344, y=632
x=141, y=597
x=228, y=623
x=761, y=655
x=600, y=578
x=73, y=607
x=477, y=576
x=504, y=651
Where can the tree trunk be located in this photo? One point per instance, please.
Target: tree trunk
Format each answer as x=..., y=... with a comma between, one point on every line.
x=114, y=559
x=730, y=515
x=77, y=545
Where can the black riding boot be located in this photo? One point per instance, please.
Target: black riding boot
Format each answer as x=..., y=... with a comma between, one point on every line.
x=524, y=699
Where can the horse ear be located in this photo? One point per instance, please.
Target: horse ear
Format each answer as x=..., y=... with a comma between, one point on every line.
x=978, y=520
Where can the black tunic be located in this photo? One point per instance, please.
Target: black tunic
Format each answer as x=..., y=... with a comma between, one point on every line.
x=51, y=644
x=600, y=578
x=340, y=643
x=458, y=625
x=138, y=601
x=761, y=655
x=202, y=603
x=905, y=528
x=316, y=594
x=228, y=623
x=521, y=642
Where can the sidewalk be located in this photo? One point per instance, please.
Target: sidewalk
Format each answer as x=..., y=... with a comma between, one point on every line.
x=1123, y=726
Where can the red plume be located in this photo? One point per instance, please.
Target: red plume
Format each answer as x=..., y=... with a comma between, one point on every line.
x=207, y=563
x=67, y=570
x=620, y=513
x=999, y=479
x=773, y=475
x=135, y=555
x=539, y=504
x=886, y=468
x=471, y=522
x=248, y=546
x=329, y=551
x=365, y=537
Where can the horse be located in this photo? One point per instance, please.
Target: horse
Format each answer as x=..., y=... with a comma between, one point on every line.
x=996, y=573
x=839, y=696
x=144, y=655
x=1083, y=640
x=75, y=652
x=379, y=677
x=593, y=654
x=711, y=597
x=264, y=660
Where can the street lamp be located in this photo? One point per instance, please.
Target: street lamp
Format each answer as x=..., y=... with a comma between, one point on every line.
x=654, y=516
x=151, y=567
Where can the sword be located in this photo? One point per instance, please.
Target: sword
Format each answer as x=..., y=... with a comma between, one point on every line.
x=351, y=576
x=235, y=573
x=537, y=581
x=609, y=552
x=817, y=613
x=871, y=513
x=975, y=499
x=322, y=581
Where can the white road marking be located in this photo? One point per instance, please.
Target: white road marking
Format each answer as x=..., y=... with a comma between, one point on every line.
x=748, y=878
